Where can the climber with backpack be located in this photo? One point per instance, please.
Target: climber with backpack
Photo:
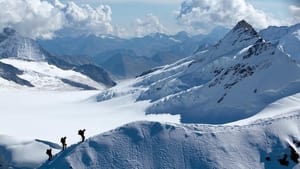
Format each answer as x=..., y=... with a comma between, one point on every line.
x=63, y=142
x=49, y=153
x=81, y=133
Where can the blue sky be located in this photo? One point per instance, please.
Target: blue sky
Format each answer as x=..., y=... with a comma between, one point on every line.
x=128, y=18
x=125, y=12
x=279, y=8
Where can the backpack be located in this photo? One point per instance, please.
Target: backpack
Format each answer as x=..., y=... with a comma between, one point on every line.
x=81, y=132
x=62, y=140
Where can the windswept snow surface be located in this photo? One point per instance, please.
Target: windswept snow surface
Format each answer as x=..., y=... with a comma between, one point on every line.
x=152, y=145
x=287, y=106
x=49, y=115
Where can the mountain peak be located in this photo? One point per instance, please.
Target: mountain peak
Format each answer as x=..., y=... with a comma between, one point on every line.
x=158, y=35
x=9, y=31
x=17, y=46
x=244, y=26
x=241, y=36
x=182, y=34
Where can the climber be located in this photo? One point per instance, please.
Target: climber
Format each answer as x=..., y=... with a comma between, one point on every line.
x=63, y=142
x=81, y=133
x=49, y=153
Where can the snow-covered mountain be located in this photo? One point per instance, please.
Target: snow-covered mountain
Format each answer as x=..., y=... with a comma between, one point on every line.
x=14, y=45
x=229, y=81
x=286, y=38
x=10, y=76
x=25, y=63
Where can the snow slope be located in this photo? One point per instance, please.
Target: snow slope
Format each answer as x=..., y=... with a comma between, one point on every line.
x=152, y=145
x=49, y=77
x=9, y=84
x=48, y=115
x=23, y=153
x=271, y=133
x=12, y=44
x=286, y=38
x=286, y=106
x=230, y=81
x=59, y=113
x=248, y=143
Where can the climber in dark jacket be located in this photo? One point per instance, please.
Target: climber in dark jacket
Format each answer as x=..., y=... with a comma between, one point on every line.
x=63, y=142
x=49, y=153
x=81, y=133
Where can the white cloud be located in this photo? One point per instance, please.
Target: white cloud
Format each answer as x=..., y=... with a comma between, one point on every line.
x=295, y=10
x=42, y=19
x=203, y=15
x=86, y=19
x=33, y=18
x=133, y=1
x=149, y=24
x=122, y=31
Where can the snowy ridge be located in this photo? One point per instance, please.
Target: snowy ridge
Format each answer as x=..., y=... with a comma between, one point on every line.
x=162, y=146
x=49, y=115
x=207, y=87
x=286, y=38
x=21, y=153
x=49, y=77
x=199, y=68
x=169, y=145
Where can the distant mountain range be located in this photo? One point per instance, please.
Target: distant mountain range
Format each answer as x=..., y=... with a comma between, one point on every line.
x=24, y=63
x=126, y=58
x=287, y=39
